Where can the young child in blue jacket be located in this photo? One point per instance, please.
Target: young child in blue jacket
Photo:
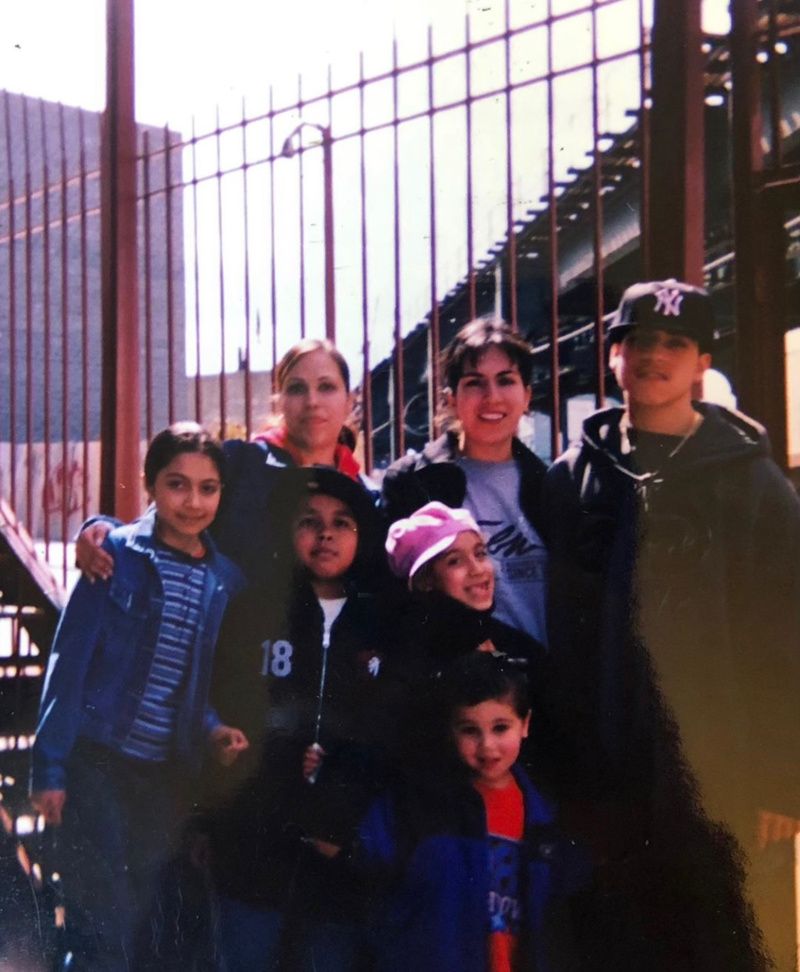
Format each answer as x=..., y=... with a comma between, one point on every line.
x=469, y=872
x=124, y=717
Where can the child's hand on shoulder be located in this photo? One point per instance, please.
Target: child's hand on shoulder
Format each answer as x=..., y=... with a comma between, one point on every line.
x=312, y=761
x=94, y=562
x=227, y=743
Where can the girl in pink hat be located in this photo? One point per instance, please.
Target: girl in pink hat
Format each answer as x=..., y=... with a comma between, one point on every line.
x=442, y=555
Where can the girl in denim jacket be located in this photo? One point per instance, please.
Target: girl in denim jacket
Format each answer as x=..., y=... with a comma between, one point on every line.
x=124, y=714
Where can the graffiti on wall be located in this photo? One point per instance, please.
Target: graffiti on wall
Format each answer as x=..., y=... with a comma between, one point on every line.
x=51, y=486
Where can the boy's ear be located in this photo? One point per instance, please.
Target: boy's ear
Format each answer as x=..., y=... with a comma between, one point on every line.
x=613, y=354
x=703, y=364
x=526, y=724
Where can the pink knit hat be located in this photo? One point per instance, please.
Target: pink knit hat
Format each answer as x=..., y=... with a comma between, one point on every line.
x=425, y=534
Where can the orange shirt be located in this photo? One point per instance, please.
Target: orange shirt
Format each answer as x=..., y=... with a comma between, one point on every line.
x=505, y=821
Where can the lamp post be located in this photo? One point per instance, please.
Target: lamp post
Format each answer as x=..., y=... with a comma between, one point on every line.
x=291, y=146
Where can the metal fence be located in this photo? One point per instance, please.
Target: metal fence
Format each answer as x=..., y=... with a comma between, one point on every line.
x=403, y=199
x=51, y=317
x=503, y=169
x=49, y=247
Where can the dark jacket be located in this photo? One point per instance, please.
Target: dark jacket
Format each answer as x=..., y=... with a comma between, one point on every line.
x=432, y=474
x=103, y=649
x=707, y=583
x=675, y=629
x=269, y=676
x=429, y=631
x=425, y=850
x=436, y=629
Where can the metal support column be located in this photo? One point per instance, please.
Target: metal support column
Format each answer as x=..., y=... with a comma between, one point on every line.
x=120, y=467
x=330, y=263
x=676, y=192
x=760, y=259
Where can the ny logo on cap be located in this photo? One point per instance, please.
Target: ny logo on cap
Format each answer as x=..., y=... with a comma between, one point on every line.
x=668, y=301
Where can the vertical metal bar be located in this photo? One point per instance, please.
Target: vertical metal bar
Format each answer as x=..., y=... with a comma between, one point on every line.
x=273, y=275
x=120, y=418
x=511, y=250
x=760, y=351
x=597, y=215
x=28, y=319
x=46, y=329
x=148, y=291
x=301, y=212
x=248, y=391
x=328, y=194
x=84, y=264
x=644, y=150
x=552, y=217
x=12, y=309
x=223, y=410
x=198, y=389
x=434, y=335
x=170, y=286
x=677, y=190
x=748, y=163
x=366, y=384
x=66, y=470
x=398, y=391
x=774, y=86
x=471, y=282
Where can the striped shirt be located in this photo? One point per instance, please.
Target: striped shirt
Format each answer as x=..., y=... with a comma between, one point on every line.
x=182, y=579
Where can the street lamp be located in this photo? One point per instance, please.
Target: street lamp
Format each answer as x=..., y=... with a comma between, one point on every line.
x=291, y=146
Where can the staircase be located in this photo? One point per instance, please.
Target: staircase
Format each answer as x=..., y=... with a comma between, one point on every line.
x=31, y=599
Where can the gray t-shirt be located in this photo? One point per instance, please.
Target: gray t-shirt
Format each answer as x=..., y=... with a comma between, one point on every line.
x=519, y=556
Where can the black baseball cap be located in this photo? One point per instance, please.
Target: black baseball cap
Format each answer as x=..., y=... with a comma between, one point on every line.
x=666, y=305
x=296, y=483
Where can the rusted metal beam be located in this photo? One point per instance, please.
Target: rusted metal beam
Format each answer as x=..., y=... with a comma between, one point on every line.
x=676, y=192
x=758, y=239
x=120, y=420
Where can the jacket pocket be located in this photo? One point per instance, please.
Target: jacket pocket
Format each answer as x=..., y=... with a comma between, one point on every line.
x=134, y=603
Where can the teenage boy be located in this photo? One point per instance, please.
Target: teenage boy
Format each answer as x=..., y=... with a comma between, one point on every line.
x=675, y=580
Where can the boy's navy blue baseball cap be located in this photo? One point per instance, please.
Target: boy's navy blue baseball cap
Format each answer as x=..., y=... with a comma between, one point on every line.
x=294, y=484
x=666, y=305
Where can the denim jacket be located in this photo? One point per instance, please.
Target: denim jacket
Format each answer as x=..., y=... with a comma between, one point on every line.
x=422, y=851
x=103, y=650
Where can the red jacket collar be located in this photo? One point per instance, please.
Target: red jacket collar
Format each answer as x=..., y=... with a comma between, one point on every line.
x=344, y=460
